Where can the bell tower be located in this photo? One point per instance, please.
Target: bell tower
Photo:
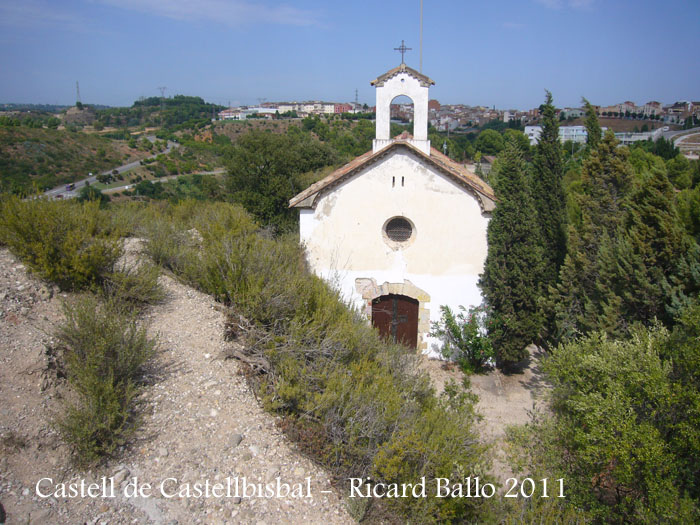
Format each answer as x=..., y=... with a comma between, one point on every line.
x=402, y=80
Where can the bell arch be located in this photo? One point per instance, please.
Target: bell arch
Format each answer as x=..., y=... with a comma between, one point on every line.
x=401, y=101
x=402, y=81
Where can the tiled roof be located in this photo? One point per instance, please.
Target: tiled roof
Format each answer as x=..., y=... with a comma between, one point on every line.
x=458, y=173
x=403, y=68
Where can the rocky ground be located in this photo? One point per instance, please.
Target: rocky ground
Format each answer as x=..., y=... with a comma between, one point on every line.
x=201, y=423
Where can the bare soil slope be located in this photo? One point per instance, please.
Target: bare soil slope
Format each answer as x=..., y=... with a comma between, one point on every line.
x=201, y=422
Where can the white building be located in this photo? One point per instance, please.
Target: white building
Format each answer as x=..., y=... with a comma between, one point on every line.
x=533, y=133
x=573, y=133
x=400, y=230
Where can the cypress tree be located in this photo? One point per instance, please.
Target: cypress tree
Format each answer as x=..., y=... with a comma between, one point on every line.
x=549, y=199
x=661, y=251
x=587, y=296
x=511, y=280
x=592, y=126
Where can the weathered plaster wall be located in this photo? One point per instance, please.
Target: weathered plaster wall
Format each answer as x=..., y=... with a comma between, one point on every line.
x=345, y=243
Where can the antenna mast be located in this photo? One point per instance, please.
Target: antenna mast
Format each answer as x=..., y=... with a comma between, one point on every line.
x=162, y=97
x=420, y=67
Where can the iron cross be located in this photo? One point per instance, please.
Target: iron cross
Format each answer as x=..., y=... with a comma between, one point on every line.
x=403, y=50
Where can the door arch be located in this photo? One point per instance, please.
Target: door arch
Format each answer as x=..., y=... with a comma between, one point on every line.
x=396, y=318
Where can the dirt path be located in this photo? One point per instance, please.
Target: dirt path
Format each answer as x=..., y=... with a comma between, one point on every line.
x=201, y=424
x=504, y=399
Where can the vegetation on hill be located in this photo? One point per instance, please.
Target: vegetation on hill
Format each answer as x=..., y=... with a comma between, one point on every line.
x=624, y=432
x=593, y=253
x=46, y=158
x=172, y=113
x=102, y=345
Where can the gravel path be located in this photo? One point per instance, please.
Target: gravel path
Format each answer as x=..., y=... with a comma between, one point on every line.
x=201, y=424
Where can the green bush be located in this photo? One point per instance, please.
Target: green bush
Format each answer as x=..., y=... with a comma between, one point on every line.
x=104, y=350
x=356, y=403
x=100, y=422
x=125, y=218
x=68, y=243
x=464, y=338
x=134, y=286
x=624, y=433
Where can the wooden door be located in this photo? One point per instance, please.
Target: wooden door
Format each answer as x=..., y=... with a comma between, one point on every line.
x=396, y=317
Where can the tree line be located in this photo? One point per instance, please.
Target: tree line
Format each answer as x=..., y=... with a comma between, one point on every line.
x=598, y=262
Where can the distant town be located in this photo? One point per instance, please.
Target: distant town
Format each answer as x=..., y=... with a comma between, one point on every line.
x=630, y=122
x=654, y=117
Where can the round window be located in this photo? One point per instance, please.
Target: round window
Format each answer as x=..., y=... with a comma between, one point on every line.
x=399, y=229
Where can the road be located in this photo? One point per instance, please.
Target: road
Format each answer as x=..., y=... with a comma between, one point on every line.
x=217, y=171
x=670, y=134
x=60, y=192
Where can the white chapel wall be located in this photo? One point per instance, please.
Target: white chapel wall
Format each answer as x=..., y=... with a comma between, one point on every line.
x=344, y=238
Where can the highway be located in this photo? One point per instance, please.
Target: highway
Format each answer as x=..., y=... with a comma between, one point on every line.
x=60, y=192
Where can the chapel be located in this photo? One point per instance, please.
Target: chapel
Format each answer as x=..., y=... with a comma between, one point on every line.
x=400, y=230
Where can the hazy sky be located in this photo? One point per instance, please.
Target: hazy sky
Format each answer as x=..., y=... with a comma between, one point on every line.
x=489, y=52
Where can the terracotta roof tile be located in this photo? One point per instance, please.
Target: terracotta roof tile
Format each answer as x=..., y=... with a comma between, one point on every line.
x=442, y=162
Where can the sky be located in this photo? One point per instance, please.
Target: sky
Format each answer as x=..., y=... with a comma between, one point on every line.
x=501, y=53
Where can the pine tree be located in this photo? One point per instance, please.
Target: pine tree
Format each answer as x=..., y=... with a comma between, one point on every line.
x=511, y=280
x=549, y=199
x=630, y=259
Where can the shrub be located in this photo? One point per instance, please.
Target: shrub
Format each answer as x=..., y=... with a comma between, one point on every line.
x=624, y=430
x=465, y=340
x=125, y=218
x=104, y=350
x=134, y=286
x=358, y=403
x=90, y=193
x=68, y=243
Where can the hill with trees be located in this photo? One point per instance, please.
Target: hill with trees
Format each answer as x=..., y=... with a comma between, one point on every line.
x=44, y=158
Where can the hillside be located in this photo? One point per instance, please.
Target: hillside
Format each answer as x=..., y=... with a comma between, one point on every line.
x=201, y=421
x=171, y=113
x=49, y=157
